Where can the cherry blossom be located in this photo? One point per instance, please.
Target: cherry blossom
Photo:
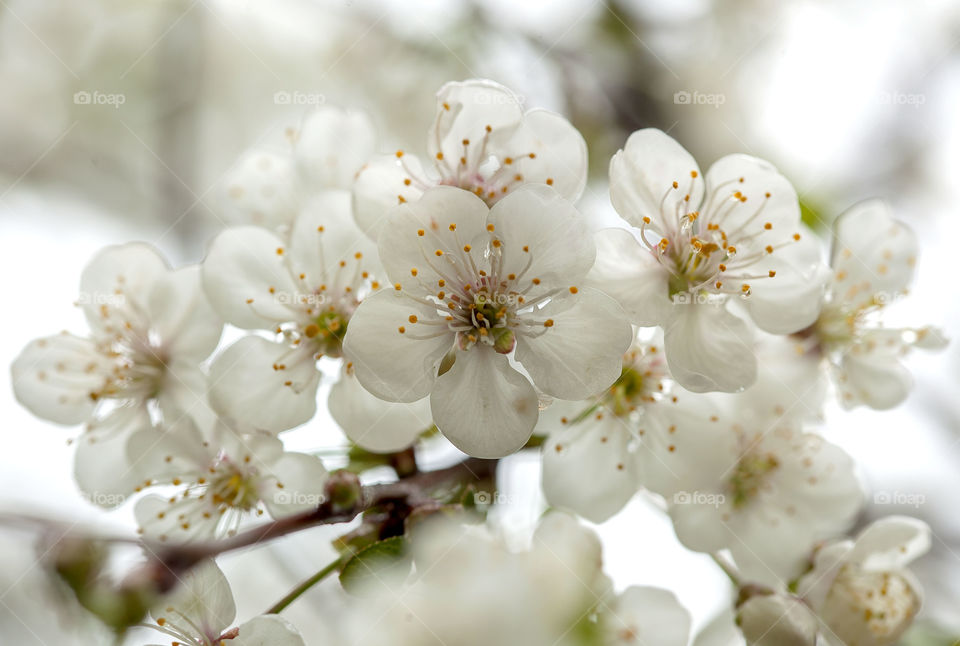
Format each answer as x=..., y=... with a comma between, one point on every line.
x=601, y=440
x=861, y=589
x=873, y=262
x=767, y=494
x=701, y=242
x=481, y=141
x=220, y=482
x=271, y=188
x=200, y=611
x=304, y=294
x=150, y=329
x=475, y=287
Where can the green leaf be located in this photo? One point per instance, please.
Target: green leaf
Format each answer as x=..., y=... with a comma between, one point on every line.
x=384, y=560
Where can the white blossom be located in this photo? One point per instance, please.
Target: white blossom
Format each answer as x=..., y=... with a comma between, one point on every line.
x=767, y=494
x=220, y=482
x=701, y=242
x=303, y=293
x=150, y=329
x=592, y=462
x=480, y=286
x=201, y=610
x=481, y=141
x=861, y=589
x=271, y=188
x=873, y=262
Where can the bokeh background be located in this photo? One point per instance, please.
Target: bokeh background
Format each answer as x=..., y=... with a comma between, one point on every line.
x=120, y=118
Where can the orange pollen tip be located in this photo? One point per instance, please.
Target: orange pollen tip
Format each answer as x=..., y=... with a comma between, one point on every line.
x=399, y=154
x=796, y=236
x=320, y=228
x=440, y=156
x=413, y=272
x=745, y=288
x=768, y=249
x=766, y=194
x=549, y=181
x=693, y=173
x=439, y=252
x=511, y=276
x=453, y=226
x=490, y=227
x=413, y=318
x=508, y=160
x=467, y=248
x=676, y=185
x=574, y=290
x=722, y=267
x=768, y=226
x=401, y=329
x=548, y=323
x=406, y=182
x=466, y=142
x=496, y=243
x=441, y=282
x=396, y=286
x=718, y=284
x=488, y=129
x=421, y=232
x=772, y=273
x=446, y=106
x=646, y=220
x=536, y=281
x=279, y=251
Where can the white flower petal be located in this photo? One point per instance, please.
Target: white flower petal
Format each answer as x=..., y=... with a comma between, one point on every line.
x=874, y=379
x=204, y=597
x=890, y=543
x=323, y=236
x=544, y=237
x=708, y=349
x=873, y=255
x=790, y=300
x=268, y=630
x=379, y=186
x=643, y=173
x=332, y=144
x=248, y=385
x=594, y=452
x=102, y=466
x=176, y=450
x=560, y=153
x=483, y=406
x=181, y=316
x=581, y=353
x=54, y=376
x=119, y=274
x=395, y=366
x=403, y=249
x=297, y=484
x=770, y=199
x=262, y=189
x=372, y=423
x=242, y=267
x=183, y=391
x=629, y=273
x=646, y=616
x=464, y=111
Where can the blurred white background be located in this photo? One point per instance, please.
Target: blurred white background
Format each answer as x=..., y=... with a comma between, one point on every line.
x=120, y=117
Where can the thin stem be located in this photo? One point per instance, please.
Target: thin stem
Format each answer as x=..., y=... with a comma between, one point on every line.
x=727, y=568
x=281, y=605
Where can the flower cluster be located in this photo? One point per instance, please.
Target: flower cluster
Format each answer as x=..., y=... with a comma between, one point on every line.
x=685, y=353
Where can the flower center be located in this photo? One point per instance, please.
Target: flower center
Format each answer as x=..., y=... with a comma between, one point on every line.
x=717, y=249
x=749, y=476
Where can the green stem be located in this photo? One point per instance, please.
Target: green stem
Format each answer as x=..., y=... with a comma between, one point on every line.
x=303, y=587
